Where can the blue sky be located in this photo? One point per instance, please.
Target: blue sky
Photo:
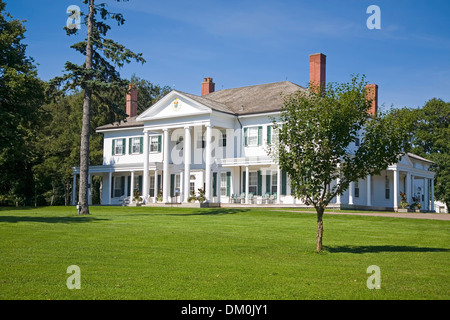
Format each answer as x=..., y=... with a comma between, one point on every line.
x=248, y=42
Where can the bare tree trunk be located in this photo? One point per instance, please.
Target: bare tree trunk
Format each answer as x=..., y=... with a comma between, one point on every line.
x=85, y=129
x=319, y=229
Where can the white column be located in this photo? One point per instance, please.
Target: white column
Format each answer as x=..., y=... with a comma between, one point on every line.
x=145, y=179
x=247, y=177
x=427, y=194
x=350, y=192
x=110, y=187
x=408, y=188
x=131, y=186
x=181, y=195
x=278, y=185
x=208, y=164
x=432, y=195
x=395, y=189
x=369, y=190
x=74, y=188
x=155, y=194
x=166, y=175
x=187, y=162
x=219, y=176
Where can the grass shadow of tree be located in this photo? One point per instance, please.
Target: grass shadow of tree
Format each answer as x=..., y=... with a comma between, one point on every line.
x=77, y=219
x=383, y=248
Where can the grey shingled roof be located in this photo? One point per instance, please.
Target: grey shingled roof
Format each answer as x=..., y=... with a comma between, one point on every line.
x=254, y=99
x=237, y=101
x=415, y=156
x=128, y=123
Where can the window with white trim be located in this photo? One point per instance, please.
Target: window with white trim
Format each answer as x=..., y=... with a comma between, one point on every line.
x=118, y=146
x=356, y=185
x=155, y=143
x=274, y=182
x=253, y=182
x=252, y=136
x=223, y=138
x=223, y=183
x=135, y=145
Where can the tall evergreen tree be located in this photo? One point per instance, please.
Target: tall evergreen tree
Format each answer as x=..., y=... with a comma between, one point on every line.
x=96, y=76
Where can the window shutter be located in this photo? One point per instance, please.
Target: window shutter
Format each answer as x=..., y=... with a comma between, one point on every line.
x=140, y=184
x=130, y=192
x=141, y=144
x=268, y=184
x=172, y=185
x=259, y=136
x=112, y=186
x=228, y=183
x=259, y=183
x=122, y=184
x=130, y=142
x=283, y=182
x=243, y=181
x=245, y=137
x=269, y=134
x=123, y=145
x=113, y=147
x=159, y=184
x=159, y=143
x=214, y=184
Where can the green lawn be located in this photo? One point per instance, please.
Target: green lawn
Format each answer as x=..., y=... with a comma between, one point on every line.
x=173, y=253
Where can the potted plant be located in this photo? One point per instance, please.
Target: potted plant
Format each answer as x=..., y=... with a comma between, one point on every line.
x=159, y=197
x=137, y=197
x=201, y=195
x=403, y=203
x=192, y=197
x=416, y=206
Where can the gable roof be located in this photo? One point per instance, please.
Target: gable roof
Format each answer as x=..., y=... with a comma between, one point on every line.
x=415, y=156
x=254, y=99
x=237, y=101
x=127, y=123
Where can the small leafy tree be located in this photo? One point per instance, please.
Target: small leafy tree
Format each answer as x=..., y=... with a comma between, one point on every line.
x=317, y=129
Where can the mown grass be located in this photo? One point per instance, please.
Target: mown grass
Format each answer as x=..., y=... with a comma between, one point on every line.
x=186, y=253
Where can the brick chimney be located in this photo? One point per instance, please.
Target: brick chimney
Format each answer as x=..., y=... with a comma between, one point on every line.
x=317, y=69
x=208, y=86
x=372, y=95
x=131, y=109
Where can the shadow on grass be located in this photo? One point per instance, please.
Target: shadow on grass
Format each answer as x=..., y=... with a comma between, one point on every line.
x=78, y=219
x=200, y=212
x=378, y=249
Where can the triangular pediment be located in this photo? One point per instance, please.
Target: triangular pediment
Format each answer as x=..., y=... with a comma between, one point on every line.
x=174, y=104
x=405, y=159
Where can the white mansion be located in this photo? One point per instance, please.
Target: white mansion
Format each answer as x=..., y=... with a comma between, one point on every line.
x=217, y=142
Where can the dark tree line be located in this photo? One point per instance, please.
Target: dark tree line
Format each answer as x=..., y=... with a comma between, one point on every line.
x=41, y=122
